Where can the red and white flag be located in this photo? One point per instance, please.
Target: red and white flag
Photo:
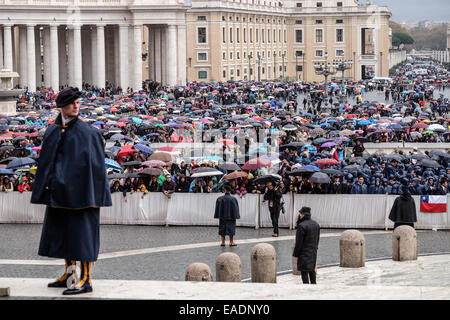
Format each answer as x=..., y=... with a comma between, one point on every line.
x=433, y=203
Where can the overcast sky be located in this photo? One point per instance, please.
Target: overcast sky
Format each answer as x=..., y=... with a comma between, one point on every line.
x=417, y=10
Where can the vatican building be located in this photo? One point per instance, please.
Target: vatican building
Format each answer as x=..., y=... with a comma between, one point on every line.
x=54, y=43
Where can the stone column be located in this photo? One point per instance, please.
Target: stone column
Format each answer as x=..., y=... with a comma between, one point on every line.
x=37, y=46
x=31, y=63
x=8, y=50
x=181, y=79
x=151, y=53
x=54, y=58
x=123, y=53
x=23, y=71
x=1, y=47
x=62, y=55
x=101, y=71
x=69, y=56
x=47, y=58
x=78, y=74
x=137, y=61
x=116, y=56
x=157, y=50
x=94, y=49
x=164, y=56
x=172, y=55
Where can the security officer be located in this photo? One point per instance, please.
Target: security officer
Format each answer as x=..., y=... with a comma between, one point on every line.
x=71, y=181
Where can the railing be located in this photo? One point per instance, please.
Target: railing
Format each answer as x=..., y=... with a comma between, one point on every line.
x=66, y=2
x=356, y=9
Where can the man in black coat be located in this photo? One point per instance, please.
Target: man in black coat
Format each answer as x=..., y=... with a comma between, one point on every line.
x=227, y=211
x=71, y=181
x=403, y=211
x=273, y=195
x=306, y=245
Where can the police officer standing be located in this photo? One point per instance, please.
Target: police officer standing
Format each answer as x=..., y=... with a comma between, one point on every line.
x=306, y=245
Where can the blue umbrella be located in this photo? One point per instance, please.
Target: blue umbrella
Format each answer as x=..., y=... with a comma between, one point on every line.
x=144, y=148
x=6, y=171
x=311, y=167
x=112, y=164
x=364, y=122
x=115, y=149
x=98, y=123
x=20, y=162
x=137, y=120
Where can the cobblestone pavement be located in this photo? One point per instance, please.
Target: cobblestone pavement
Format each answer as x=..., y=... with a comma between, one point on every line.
x=160, y=253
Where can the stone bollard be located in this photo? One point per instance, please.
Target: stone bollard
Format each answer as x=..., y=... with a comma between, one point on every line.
x=295, y=271
x=4, y=292
x=228, y=267
x=352, y=247
x=264, y=263
x=404, y=244
x=198, y=272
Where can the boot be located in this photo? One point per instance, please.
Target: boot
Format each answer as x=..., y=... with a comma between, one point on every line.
x=223, y=241
x=85, y=284
x=62, y=281
x=232, y=244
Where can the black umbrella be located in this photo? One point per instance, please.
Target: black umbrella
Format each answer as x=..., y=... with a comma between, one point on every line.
x=332, y=172
x=116, y=176
x=5, y=148
x=440, y=153
x=229, y=166
x=353, y=167
x=428, y=163
x=397, y=157
x=131, y=163
x=301, y=171
x=419, y=156
x=274, y=178
x=320, y=177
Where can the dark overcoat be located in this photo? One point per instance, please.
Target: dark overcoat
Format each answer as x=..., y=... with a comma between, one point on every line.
x=306, y=243
x=227, y=211
x=403, y=209
x=71, y=180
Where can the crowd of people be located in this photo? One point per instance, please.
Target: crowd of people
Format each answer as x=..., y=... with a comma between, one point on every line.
x=313, y=136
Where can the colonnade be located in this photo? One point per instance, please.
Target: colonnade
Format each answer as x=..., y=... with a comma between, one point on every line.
x=52, y=56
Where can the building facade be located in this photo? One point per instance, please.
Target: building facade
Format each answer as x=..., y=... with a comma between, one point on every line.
x=270, y=40
x=53, y=43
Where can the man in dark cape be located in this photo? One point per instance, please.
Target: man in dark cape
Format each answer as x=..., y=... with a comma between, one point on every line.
x=71, y=180
x=227, y=211
x=403, y=211
x=306, y=245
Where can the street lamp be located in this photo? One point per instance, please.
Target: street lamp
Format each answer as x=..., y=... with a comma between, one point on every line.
x=250, y=56
x=274, y=65
x=342, y=65
x=324, y=69
x=282, y=56
x=259, y=67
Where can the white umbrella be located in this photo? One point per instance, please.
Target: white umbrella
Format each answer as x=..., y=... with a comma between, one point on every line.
x=436, y=127
x=207, y=174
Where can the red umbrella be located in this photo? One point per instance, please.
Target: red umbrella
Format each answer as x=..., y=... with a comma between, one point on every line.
x=228, y=141
x=126, y=150
x=256, y=163
x=326, y=161
x=235, y=175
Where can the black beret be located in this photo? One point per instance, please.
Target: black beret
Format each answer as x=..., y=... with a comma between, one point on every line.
x=67, y=96
x=305, y=210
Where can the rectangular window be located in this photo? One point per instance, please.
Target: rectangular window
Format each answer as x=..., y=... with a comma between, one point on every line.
x=268, y=54
x=319, y=35
x=298, y=21
x=367, y=41
x=201, y=35
x=238, y=56
x=340, y=53
x=224, y=73
x=299, y=68
x=245, y=55
x=201, y=18
x=245, y=35
x=231, y=35
x=339, y=35
x=238, y=72
x=224, y=35
x=285, y=37
x=257, y=36
x=263, y=36
x=339, y=21
x=237, y=36
x=202, y=56
x=202, y=74
x=339, y=4
x=279, y=35
x=299, y=4
x=319, y=21
x=231, y=55
x=319, y=4
x=274, y=35
x=299, y=53
x=251, y=35
x=319, y=53
x=299, y=36
x=224, y=55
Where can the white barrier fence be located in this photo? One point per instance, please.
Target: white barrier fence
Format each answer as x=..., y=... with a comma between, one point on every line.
x=197, y=209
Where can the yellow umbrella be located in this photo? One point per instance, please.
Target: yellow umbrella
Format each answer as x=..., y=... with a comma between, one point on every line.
x=33, y=170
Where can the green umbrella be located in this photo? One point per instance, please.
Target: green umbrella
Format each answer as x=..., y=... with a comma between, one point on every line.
x=428, y=132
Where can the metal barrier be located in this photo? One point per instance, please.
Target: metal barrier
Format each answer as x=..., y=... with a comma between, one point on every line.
x=330, y=211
